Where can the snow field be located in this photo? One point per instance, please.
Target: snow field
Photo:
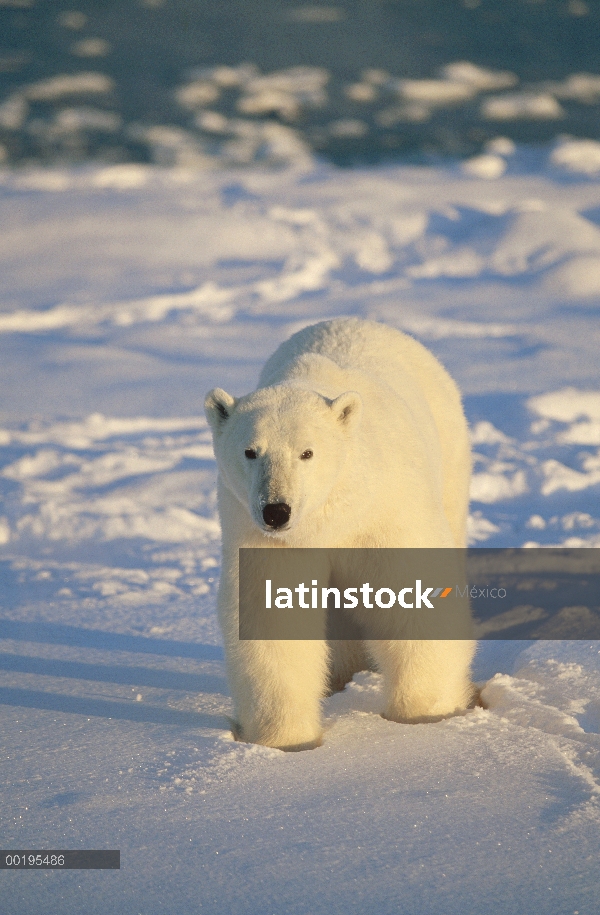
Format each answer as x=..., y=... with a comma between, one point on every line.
x=130, y=291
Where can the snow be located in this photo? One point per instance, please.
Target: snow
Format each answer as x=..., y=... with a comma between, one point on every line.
x=435, y=91
x=286, y=92
x=513, y=105
x=128, y=292
x=91, y=47
x=200, y=116
x=485, y=166
x=60, y=86
x=317, y=14
x=578, y=156
x=463, y=71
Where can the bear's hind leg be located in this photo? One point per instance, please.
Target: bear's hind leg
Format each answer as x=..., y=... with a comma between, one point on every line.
x=346, y=658
x=424, y=680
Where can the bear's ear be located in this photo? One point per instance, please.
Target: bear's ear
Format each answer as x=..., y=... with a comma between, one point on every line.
x=347, y=409
x=218, y=406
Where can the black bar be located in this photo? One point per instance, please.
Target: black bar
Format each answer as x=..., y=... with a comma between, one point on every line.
x=37, y=859
x=481, y=593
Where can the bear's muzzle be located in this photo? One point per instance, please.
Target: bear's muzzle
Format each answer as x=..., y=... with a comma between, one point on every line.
x=276, y=514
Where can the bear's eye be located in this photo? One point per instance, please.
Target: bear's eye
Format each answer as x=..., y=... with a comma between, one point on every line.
x=306, y=455
x=250, y=454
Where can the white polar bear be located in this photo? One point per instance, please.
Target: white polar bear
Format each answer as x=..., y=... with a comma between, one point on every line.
x=355, y=437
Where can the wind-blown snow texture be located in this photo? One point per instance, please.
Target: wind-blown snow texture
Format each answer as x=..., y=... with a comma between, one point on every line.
x=127, y=293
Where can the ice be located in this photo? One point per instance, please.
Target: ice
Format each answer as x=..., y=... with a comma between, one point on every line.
x=73, y=19
x=500, y=146
x=463, y=71
x=57, y=87
x=577, y=156
x=317, y=14
x=286, y=92
x=535, y=105
x=485, y=166
x=197, y=94
x=227, y=114
x=461, y=82
x=13, y=112
x=584, y=87
x=91, y=47
x=74, y=119
x=361, y=92
x=435, y=91
x=348, y=127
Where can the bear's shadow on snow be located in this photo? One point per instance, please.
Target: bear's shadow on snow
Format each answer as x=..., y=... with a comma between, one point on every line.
x=72, y=636
x=63, y=634
x=103, y=708
x=114, y=673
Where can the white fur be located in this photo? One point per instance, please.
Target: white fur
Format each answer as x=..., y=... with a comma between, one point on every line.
x=390, y=468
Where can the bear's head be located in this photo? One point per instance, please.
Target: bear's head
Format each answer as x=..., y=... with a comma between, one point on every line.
x=281, y=449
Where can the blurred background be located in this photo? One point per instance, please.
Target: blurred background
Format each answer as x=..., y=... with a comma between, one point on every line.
x=200, y=82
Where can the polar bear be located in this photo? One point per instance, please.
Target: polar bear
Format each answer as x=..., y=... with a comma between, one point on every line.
x=354, y=437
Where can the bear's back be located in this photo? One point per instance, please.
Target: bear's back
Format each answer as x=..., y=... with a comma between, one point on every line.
x=380, y=351
x=387, y=355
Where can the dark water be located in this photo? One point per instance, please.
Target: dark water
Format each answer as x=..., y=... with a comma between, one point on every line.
x=149, y=48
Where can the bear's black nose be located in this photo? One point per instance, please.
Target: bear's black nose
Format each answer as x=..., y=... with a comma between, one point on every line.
x=276, y=514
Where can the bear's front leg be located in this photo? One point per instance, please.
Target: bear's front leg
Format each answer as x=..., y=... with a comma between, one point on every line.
x=277, y=685
x=424, y=680
x=277, y=689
